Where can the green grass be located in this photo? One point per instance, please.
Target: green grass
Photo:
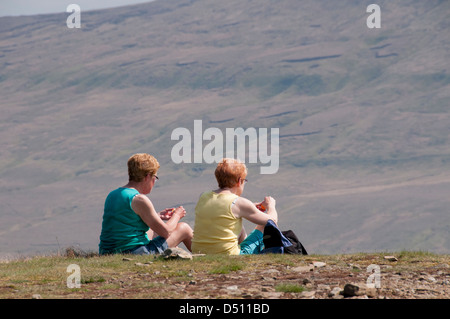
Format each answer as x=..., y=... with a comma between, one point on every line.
x=288, y=287
x=93, y=279
x=227, y=268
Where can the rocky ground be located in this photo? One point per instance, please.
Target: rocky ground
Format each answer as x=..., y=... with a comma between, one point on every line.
x=337, y=277
x=354, y=276
x=320, y=280
x=323, y=282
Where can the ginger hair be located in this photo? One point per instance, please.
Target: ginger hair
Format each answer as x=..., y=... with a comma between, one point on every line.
x=228, y=172
x=140, y=165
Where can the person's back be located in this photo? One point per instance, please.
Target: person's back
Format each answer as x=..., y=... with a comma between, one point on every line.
x=122, y=228
x=216, y=229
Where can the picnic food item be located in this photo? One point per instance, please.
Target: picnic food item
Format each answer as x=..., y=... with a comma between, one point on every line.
x=261, y=207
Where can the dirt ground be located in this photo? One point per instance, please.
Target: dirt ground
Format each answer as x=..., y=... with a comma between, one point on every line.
x=309, y=280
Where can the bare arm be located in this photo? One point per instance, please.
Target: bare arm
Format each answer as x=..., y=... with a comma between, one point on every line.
x=246, y=209
x=142, y=206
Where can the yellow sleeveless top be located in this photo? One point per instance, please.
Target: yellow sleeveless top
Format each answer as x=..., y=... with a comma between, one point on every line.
x=216, y=229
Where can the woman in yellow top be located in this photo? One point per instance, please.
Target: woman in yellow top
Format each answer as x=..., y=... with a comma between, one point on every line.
x=218, y=215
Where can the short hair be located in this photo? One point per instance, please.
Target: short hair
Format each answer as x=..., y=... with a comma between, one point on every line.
x=140, y=165
x=228, y=172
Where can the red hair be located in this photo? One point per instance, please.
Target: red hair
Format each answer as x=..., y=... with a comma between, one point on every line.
x=228, y=172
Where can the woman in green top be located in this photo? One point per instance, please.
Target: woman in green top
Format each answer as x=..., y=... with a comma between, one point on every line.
x=129, y=215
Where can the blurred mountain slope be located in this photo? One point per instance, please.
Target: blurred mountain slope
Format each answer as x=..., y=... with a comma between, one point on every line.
x=363, y=115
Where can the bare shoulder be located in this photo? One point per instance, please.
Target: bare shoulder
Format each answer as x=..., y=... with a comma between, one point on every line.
x=140, y=201
x=243, y=202
x=140, y=197
x=243, y=207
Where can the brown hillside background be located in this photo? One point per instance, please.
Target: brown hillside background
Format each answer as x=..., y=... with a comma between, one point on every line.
x=363, y=116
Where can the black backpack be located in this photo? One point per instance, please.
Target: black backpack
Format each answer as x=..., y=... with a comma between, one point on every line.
x=297, y=247
x=278, y=242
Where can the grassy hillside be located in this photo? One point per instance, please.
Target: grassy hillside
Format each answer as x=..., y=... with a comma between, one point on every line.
x=363, y=115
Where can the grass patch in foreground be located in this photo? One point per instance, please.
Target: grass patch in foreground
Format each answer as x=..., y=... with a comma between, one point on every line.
x=227, y=268
x=287, y=287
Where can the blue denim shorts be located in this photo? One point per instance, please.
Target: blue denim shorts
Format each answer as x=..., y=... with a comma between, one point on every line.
x=156, y=246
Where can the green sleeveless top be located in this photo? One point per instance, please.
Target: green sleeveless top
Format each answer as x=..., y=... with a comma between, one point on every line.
x=122, y=228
